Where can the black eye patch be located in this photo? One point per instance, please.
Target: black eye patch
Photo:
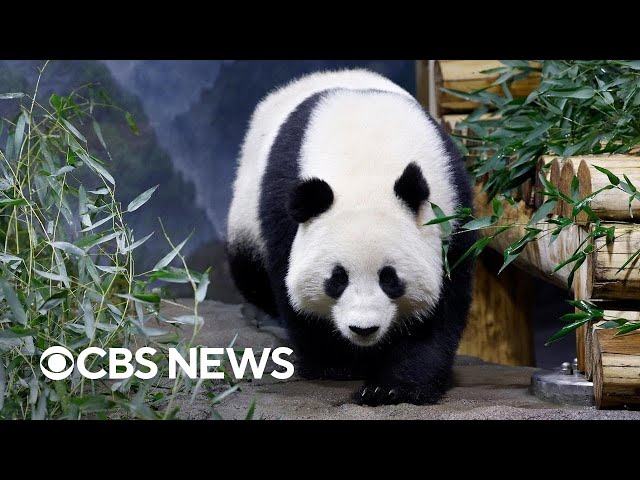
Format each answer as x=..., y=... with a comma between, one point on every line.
x=412, y=188
x=391, y=285
x=337, y=283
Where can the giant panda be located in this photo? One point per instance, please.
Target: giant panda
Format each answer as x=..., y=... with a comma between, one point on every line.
x=326, y=230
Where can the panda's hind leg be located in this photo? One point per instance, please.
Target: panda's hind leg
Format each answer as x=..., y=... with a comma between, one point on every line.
x=250, y=276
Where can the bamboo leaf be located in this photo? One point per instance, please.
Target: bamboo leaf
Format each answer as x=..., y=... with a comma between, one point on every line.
x=52, y=276
x=166, y=260
x=19, y=134
x=613, y=179
x=564, y=331
x=98, y=223
x=543, y=211
x=628, y=328
x=615, y=323
x=53, y=301
x=571, y=259
x=251, y=411
x=586, y=307
x=575, y=268
x=474, y=250
x=11, y=202
x=497, y=207
x=135, y=245
x=19, y=314
x=572, y=317
x=480, y=223
x=435, y=221
x=172, y=276
x=133, y=126
x=73, y=130
x=632, y=258
x=188, y=320
x=144, y=298
x=141, y=199
x=98, y=132
x=90, y=241
x=221, y=396
x=631, y=186
x=201, y=292
x=96, y=167
x=581, y=92
x=69, y=248
x=89, y=320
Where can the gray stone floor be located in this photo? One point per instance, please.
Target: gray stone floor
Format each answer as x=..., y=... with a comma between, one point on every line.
x=481, y=391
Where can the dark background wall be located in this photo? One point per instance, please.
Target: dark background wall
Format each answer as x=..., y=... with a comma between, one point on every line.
x=192, y=115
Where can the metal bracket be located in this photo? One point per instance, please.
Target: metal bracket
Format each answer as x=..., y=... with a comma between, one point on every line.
x=565, y=386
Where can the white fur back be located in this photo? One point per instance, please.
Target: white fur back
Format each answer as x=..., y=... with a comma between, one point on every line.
x=361, y=142
x=269, y=115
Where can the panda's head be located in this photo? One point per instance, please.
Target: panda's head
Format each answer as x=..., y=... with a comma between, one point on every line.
x=368, y=267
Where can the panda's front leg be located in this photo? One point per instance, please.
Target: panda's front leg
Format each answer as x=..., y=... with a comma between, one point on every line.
x=322, y=353
x=414, y=371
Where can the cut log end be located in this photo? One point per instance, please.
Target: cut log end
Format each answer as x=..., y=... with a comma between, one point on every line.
x=554, y=178
x=538, y=198
x=616, y=369
x=567, y=172
x=584, y=179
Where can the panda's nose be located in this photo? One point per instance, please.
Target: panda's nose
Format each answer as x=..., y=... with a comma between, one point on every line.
x=363, y=331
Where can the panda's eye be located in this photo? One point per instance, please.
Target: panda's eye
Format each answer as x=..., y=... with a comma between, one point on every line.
x=337, y=283
x=391, y=285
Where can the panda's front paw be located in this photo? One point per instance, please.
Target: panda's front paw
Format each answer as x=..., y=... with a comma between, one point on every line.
x=374, y=395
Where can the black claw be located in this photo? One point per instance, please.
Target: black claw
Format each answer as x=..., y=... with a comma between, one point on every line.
x=392, y=393
x=375, y=392
x=364, y=392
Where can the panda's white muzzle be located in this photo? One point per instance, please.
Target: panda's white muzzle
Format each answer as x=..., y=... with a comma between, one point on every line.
x=364, y=317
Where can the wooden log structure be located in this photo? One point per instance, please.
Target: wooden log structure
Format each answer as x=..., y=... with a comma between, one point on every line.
x=598, y=279
x=467, y=76
x=612, y=362
x=616, y=368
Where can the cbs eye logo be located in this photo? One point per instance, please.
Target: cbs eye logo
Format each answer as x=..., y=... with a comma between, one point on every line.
x=53, y=363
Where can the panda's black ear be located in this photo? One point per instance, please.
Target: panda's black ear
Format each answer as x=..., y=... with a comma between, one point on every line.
x=309, y=199
x=412, y=188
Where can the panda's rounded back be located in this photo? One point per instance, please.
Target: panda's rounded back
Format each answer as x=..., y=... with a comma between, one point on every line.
x=265, y=124
x=361, y=141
